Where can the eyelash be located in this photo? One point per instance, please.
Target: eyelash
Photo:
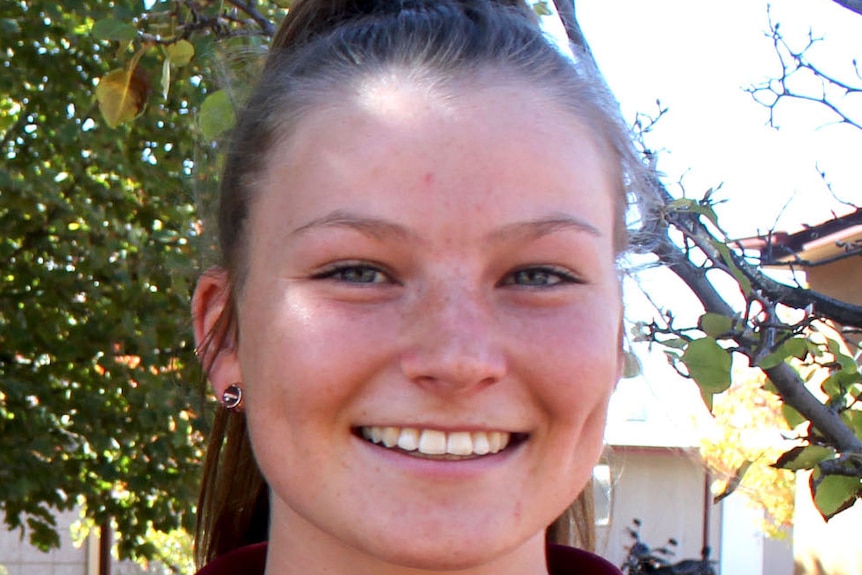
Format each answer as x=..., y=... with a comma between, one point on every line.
x=559, y=276
x=341, y=271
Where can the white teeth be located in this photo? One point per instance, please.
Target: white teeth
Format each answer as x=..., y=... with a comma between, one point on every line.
x=390, y=436
x=432, y=442
x=459, y=443
x=495, y=441
x=409, y=439
x=435, y=442
x=481, y=445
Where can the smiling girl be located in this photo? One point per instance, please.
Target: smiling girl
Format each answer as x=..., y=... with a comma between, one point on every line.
x=415, y=329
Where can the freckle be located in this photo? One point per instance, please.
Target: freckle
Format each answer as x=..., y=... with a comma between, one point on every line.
x=429, y=178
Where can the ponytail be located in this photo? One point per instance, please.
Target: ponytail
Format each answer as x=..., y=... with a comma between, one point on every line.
x=233, y=507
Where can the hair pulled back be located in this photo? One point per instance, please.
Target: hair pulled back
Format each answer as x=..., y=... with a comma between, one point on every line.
x=323, y=53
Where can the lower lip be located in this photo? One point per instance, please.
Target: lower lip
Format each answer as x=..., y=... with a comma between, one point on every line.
x=441, y=468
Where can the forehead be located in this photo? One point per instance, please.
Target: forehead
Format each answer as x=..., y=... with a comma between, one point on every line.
x=403, y=101
x=473, y=144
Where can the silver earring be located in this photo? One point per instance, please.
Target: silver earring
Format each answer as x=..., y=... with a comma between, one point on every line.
x=231, y=398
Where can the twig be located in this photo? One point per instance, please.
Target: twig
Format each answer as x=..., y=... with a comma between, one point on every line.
x=249, y=8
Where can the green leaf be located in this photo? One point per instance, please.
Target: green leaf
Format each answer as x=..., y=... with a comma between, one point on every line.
x=113, y=30
x=675, y=342
x=797, y=347
x=792, y=417
x=834, y=493
x=769, y=386
x=715, y=324
x=837, y=385
x=853, y=418
x=726, y=256
x=708, y=364
x=541, y=8
x=632, y=366
x=217, y=115
x=803, y=457
x=775, y=358
x=690, y=205
x=181, y=53
x=707, y=399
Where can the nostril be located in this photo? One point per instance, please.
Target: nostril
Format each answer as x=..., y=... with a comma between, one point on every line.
x=448, y=366
x=453, y=338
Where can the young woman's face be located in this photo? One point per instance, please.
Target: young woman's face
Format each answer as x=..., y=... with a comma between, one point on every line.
x=429, y=327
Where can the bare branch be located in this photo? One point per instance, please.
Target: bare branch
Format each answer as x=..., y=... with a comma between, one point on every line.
x=267, y=27
x=852, y=5
x=566, y=10
x=848, y=465
x=793, y=63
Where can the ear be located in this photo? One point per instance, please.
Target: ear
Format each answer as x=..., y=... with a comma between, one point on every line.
x=215, y=329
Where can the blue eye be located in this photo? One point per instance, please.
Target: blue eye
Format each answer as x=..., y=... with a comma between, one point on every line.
x=539, y=277
x=354, y=273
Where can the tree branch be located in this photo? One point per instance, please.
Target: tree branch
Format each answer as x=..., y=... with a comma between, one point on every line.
x=772, y=91
x=566, y=10
x=693, y=276
x=824, y=306
x=827, y=421
x=852, y=5
x=790, y=386
x=249, y=8
x=848, y=465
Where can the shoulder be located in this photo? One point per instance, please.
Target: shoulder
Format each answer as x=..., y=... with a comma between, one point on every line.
x=570, y=561
x=249, y=560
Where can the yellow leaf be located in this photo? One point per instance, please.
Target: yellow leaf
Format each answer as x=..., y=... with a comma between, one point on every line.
x=122, y=95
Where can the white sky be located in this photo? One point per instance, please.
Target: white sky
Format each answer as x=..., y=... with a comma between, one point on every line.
x=697, y=57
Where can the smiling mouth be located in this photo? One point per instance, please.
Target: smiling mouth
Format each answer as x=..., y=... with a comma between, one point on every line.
x=433, y=443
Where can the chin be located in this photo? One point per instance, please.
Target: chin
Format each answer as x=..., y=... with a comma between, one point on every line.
x=458, y=552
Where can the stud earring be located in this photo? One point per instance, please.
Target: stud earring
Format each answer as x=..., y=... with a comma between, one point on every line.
x=231, y=398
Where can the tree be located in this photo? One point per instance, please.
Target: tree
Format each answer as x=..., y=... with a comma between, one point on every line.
x=98, y=227
x=739, y=451
x=109, y=110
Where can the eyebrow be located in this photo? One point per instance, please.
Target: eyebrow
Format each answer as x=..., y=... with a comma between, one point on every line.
x=369, y=226
x=536, y=229
x=385, y=229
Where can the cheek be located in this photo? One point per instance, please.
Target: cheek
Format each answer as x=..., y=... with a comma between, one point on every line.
x=297, y=349
x=577, y=363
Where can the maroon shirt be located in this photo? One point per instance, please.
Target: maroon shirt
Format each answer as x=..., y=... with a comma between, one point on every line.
x=251, y=560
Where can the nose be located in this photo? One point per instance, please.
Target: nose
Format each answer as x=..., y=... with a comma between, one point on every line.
x=454, y=343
